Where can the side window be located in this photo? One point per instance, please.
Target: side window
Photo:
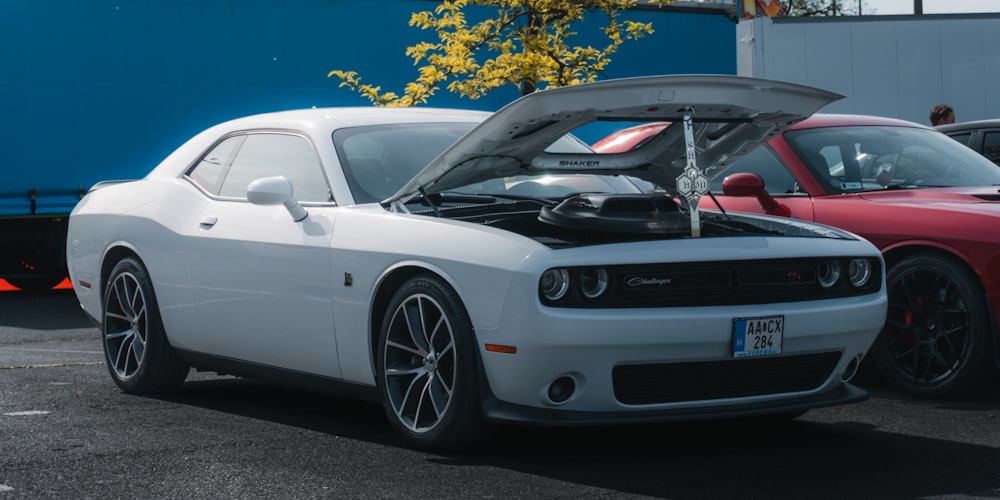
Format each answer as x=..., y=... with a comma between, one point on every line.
x=830, y=155
x=763, y=162
x=268, y=155
x=962, y=137
x=234, y=163
x=991, y=146
x=212, y=168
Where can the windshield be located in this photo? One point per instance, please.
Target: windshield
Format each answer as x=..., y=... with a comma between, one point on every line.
x=378, y=160
x=871, y=158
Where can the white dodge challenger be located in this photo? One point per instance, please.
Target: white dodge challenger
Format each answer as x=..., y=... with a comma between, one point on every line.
x=466, y=269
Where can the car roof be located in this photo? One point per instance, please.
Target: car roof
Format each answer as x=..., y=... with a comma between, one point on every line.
x=317, y=120
x=970, y=125
x=354, y=116
x=820, y=120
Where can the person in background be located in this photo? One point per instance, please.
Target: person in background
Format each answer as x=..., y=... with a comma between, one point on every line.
x=942, y=114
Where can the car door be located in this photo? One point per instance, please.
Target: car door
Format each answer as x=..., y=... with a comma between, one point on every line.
x=262, y=281
x=991, y=145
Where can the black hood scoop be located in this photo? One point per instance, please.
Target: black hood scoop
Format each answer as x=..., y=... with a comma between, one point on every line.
x=619, y=213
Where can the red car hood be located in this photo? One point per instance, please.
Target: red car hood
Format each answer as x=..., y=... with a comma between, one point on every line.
x=973, y=199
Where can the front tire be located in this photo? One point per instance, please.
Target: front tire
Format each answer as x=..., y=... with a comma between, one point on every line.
x=427, y=368
x=138, y=355
x=935, y=342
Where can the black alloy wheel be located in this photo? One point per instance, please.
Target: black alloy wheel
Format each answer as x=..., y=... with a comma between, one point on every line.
x=935, y=343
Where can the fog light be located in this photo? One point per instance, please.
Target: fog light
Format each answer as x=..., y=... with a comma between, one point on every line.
x=561, y=389
x=852, y=369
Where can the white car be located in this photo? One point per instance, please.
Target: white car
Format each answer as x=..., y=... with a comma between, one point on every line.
x=465, y=269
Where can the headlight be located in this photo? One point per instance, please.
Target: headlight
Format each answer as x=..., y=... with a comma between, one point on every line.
x=594, y=282
x=828, y=273
x=859, y=271
x=554, y=284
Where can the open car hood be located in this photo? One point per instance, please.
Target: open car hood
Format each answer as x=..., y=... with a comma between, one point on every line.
x=730, y=116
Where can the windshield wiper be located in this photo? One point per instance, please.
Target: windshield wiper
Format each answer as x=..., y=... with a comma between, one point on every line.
x=455, y=197
x=581, y=193
x=912, y=185
x=487, y=198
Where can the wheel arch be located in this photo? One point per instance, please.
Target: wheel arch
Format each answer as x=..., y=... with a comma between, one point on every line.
x=384, y=290
x=112, y=256
x=895, y=254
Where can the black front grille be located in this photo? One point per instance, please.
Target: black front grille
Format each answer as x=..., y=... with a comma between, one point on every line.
x=675, y=382
x=690, y=284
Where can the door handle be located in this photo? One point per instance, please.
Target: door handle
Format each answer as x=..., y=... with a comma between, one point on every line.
x=208, y=222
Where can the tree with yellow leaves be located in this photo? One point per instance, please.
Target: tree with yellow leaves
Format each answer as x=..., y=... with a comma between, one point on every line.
x=528, y=42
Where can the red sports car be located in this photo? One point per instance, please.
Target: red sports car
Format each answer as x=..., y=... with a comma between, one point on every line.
x=930, y=204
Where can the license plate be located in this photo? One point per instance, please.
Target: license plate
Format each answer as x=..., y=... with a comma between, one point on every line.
x=758, y=336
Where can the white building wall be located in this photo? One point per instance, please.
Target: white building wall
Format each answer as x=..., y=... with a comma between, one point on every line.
x=896, y=66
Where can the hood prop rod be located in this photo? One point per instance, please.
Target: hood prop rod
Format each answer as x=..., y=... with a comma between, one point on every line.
x=692, y=184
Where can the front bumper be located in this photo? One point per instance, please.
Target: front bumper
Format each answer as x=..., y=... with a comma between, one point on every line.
x=676, y=362
x=507, y=413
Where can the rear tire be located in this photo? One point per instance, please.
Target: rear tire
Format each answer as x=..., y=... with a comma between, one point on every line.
x=138, y=354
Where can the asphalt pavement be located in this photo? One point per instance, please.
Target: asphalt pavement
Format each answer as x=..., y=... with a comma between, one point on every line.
x=67, y=432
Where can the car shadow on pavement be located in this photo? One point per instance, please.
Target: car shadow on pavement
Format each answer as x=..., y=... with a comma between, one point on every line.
x=306, y=410
x=744, y=458
x=47, y=310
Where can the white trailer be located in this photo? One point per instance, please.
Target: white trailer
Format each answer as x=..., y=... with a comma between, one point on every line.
x=895, y=66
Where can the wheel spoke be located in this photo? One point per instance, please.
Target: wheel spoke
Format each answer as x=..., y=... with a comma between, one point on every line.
x=945, y=355
x=897, y=335
x=921, y=367
x=121, y=296
x=441, y=338
x=116, y=316
x=418, y=412
x=441, y=390
x=415, y=324
x=904, y=353
x=117, y=335
x=122, y=355
x=138, y=346
x=404, y=372
x=408, y=408
x=910, y=286
x=409, y=349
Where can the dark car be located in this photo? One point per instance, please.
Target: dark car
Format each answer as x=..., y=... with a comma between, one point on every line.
x=982, y=136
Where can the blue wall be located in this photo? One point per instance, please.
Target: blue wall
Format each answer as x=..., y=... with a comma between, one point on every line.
x=101, y=89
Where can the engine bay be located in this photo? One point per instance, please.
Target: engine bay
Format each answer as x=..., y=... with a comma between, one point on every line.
x=593, y=219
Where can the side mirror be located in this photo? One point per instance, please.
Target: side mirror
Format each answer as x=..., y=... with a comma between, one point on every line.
x=276, y=191
x=751, y=184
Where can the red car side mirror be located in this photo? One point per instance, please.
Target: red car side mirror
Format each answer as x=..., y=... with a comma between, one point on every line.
x=751, y=184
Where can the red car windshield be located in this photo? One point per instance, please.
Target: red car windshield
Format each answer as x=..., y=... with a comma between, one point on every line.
x=871, y=158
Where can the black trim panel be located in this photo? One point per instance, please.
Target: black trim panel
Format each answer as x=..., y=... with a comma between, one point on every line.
x=498, y=411
x=281, y=376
